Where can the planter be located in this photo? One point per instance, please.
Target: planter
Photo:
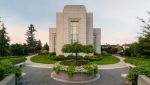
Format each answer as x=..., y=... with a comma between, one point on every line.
x=143, y=80
x=9, y=80
x=75, y=74
x=78, y=77
x=127, y=82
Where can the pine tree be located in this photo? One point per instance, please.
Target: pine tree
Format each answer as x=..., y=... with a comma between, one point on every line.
x=46, y=47
x=4, y=42
x=31, y=41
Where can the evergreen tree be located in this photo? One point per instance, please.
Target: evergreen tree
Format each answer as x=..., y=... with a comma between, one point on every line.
x=46, y=47
x=39, y=45
x=19, y=49
x=4, y=41
x=31, y=41
x=144, y=40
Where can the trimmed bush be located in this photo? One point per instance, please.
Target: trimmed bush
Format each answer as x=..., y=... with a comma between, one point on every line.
x=71, y=68
x=14, y=60
x=17, y=60
x=7, y=68
x=52, y=54
x=43, y=52
x=105, y=53
x=73, y=63
x=139, y=70
x=137, y=60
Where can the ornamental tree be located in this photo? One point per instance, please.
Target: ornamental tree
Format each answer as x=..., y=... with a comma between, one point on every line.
x=88, y=49
x=73, y=48
x=77, y=48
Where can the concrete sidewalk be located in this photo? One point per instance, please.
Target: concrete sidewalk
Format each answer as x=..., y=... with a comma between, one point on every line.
x=41, y=76
x=33, y=64
x=120, y=64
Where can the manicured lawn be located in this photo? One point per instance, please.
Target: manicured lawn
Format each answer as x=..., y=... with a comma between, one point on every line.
x=14, y=59
x=107, y=60
x=137, y=60
x=42, y=59
x=47, y=60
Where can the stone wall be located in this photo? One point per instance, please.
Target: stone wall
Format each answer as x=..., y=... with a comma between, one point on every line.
x=9, y=80
x=143, y=80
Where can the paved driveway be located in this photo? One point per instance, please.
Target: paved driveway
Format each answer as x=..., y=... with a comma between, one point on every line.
x=41, y=76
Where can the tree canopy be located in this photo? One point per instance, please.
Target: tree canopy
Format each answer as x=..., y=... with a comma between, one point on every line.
x=4, y=42
x=77, y=48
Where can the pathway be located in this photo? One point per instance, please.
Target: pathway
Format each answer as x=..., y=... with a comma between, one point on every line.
x=120, y=64
x=41, y=76
x=33, y=64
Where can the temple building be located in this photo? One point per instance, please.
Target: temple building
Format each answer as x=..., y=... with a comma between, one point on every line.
x=74, y=24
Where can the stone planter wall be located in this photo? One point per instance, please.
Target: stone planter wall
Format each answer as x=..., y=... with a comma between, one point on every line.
x=143, y=80
x=76, y=77
x=9, y=80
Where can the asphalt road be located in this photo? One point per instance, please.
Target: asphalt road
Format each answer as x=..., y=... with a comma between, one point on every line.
x=41, y=76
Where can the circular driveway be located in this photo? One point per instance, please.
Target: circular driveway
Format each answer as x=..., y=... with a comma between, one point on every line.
x=41, y=76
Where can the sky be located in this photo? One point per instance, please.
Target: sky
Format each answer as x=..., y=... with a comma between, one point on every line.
x=116, y=18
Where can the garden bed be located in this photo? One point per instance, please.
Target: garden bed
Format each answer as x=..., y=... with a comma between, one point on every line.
x=78, y=77
x=71, y=71
x=51, y=59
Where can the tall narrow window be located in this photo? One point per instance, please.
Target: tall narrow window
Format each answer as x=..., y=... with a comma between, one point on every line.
x=54, y=43
x=74, y=34
x=94, y=40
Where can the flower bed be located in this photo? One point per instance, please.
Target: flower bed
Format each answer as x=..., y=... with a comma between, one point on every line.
x=71, y=69
x=75, y=72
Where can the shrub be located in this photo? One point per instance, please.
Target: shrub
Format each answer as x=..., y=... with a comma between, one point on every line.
x=71, y=70
x=7, y=68
x=97, y=54
x=14, y=60
x=44, y=52
x=60, y=56
x=19, y=49
x=89, y=69
x=93, y=58
x=52, y=57
x=105, y=53
x=139, y=70
x=72, y=56
x=56, y=69
x=52, y=54
x=72, y=63
x=17, y=60
x=137, y=61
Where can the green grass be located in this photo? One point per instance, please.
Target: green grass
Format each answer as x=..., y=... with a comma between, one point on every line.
x=13, y=59
x=42, y=59
x=137, y=60
x=107, y=60
x=8, y=57
x=47, y=60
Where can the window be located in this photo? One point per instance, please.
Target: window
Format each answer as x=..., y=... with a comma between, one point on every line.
x=74, y=34
x=54, y=43
x=94, y=40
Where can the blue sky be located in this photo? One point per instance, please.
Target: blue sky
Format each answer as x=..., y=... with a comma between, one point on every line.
x=116, y=18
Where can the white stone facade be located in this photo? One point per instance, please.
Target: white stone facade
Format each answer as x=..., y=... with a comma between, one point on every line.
x=74, y=24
